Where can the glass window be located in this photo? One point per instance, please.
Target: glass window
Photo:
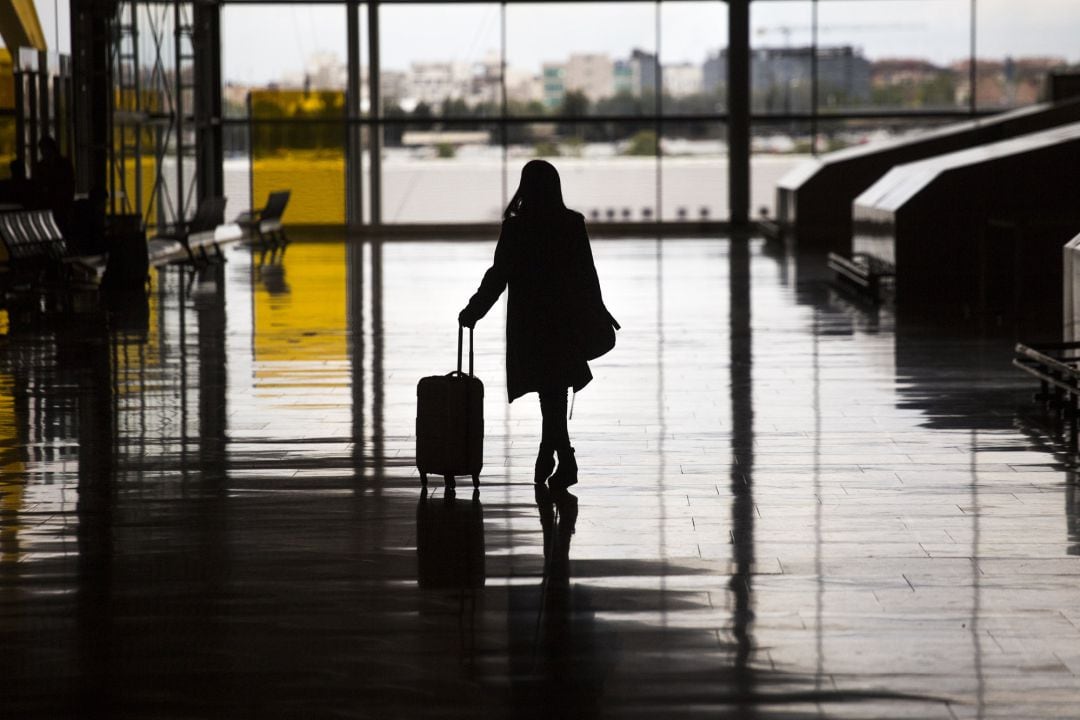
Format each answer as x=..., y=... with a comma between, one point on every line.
x=298, y=144
x=300, y=47
x=581, y=59
x=608, y=170
x=1017, y=44
x=693, y=171
x=55, y=20
x=442, y=173
x=889, y=54
x=693, y=57
x=441, y=60
x=781, y=37
x=775, y=148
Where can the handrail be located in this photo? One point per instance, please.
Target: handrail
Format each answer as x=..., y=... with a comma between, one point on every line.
x=1055, y=371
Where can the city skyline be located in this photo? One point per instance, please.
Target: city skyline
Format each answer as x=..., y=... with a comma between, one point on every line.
x=780, y=80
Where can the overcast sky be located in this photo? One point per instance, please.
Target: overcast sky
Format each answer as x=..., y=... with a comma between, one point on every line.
x=55, y=19
x=265, y=43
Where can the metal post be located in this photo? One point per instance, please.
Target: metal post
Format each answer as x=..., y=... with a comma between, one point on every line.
x=91, y=23
x=209, y=156
x=136, y=104
x=973, y=75
x=503, y=128
x=814, y=79
x=738, y=100
x=354, y=168
x=44, y=98
x=375, y=111
x=20, y=115
x=658, y=129
x=178, y=117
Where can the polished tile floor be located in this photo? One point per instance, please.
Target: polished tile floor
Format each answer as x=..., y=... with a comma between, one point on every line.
x=790, y=505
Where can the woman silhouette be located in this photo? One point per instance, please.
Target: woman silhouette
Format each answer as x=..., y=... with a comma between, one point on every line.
x=555, y=315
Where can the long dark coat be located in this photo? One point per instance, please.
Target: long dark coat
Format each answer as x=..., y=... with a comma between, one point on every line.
x=550, y=272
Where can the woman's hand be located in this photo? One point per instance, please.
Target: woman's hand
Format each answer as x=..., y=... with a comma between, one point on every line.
x=467, y=319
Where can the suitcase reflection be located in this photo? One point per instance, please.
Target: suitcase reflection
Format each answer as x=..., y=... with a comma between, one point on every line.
x=450, y=541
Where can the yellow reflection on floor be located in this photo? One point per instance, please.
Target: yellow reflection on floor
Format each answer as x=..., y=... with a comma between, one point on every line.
x=137, y=349
x=300, y=307
x=12, y=486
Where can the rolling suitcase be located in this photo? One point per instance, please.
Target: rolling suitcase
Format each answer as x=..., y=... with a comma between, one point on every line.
x=450, y=423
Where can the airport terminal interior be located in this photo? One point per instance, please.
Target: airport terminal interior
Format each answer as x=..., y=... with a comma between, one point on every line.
x=828, y=469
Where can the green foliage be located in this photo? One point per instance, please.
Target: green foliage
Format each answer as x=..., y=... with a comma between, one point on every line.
x=531, y=108
x=546, y=148
x=642, y=143
x=939, y=91
x=446, y=150
x=625, y=103
x=574, y=104
x=573, y=146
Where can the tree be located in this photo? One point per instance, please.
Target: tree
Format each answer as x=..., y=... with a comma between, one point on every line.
x=575, y=104
x=642, y=143
x=422, y=111
x=392, y=132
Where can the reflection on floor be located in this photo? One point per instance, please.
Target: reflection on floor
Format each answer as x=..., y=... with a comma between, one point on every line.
x=789, y=506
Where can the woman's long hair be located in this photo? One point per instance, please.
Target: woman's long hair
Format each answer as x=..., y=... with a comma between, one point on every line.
x=539, y=194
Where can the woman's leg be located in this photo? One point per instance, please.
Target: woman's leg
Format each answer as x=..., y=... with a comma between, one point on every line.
x=549, y=434
x=554, y=434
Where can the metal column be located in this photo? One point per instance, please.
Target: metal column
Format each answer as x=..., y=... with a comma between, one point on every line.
x=354, y=147
x=206, y=39
x=374, y=110
x=738, y=99
x=91, y=22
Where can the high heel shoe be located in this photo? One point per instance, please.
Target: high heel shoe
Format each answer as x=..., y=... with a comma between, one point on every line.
x=545, y=463
x=566, y=475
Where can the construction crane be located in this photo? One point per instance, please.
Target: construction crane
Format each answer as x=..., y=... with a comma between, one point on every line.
x=787, y=30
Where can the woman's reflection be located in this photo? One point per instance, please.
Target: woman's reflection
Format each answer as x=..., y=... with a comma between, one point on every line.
x=558, y=517
x=560, y=655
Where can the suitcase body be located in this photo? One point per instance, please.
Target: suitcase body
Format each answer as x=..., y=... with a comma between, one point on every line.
x=450, y=424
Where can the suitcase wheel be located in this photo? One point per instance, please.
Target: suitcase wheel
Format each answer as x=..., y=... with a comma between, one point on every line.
x=449, y=481
x=423, y=478
x=476, y=480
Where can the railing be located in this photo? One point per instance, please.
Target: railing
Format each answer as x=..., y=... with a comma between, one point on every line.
x=1057, y=367
x=862, y=272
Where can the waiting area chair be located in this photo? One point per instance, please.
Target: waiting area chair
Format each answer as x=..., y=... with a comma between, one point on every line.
x=38, y=257
x=196, y=236
x=265, y=225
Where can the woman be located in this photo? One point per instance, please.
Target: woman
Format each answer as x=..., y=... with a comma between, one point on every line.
x=544, y=257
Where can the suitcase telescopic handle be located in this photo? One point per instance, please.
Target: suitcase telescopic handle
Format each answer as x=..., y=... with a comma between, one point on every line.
x=460, y=333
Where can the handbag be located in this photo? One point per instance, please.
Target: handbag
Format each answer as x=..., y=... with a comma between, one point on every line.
x=595, y=330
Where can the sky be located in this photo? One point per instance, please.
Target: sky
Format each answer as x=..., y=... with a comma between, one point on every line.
x=262, y=43
x=55, y=19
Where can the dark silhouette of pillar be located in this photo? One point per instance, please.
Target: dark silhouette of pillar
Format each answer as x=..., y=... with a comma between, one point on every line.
x=91, y=28
x=210, y=174
x=738, y=101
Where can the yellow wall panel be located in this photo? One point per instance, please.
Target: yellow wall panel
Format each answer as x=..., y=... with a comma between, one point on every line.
x=317, y=183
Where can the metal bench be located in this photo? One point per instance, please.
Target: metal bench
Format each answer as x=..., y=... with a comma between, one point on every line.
x=862, y=272
x=38, y=256
x=1057, y=367
x=195, y=236
x=265, y=225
